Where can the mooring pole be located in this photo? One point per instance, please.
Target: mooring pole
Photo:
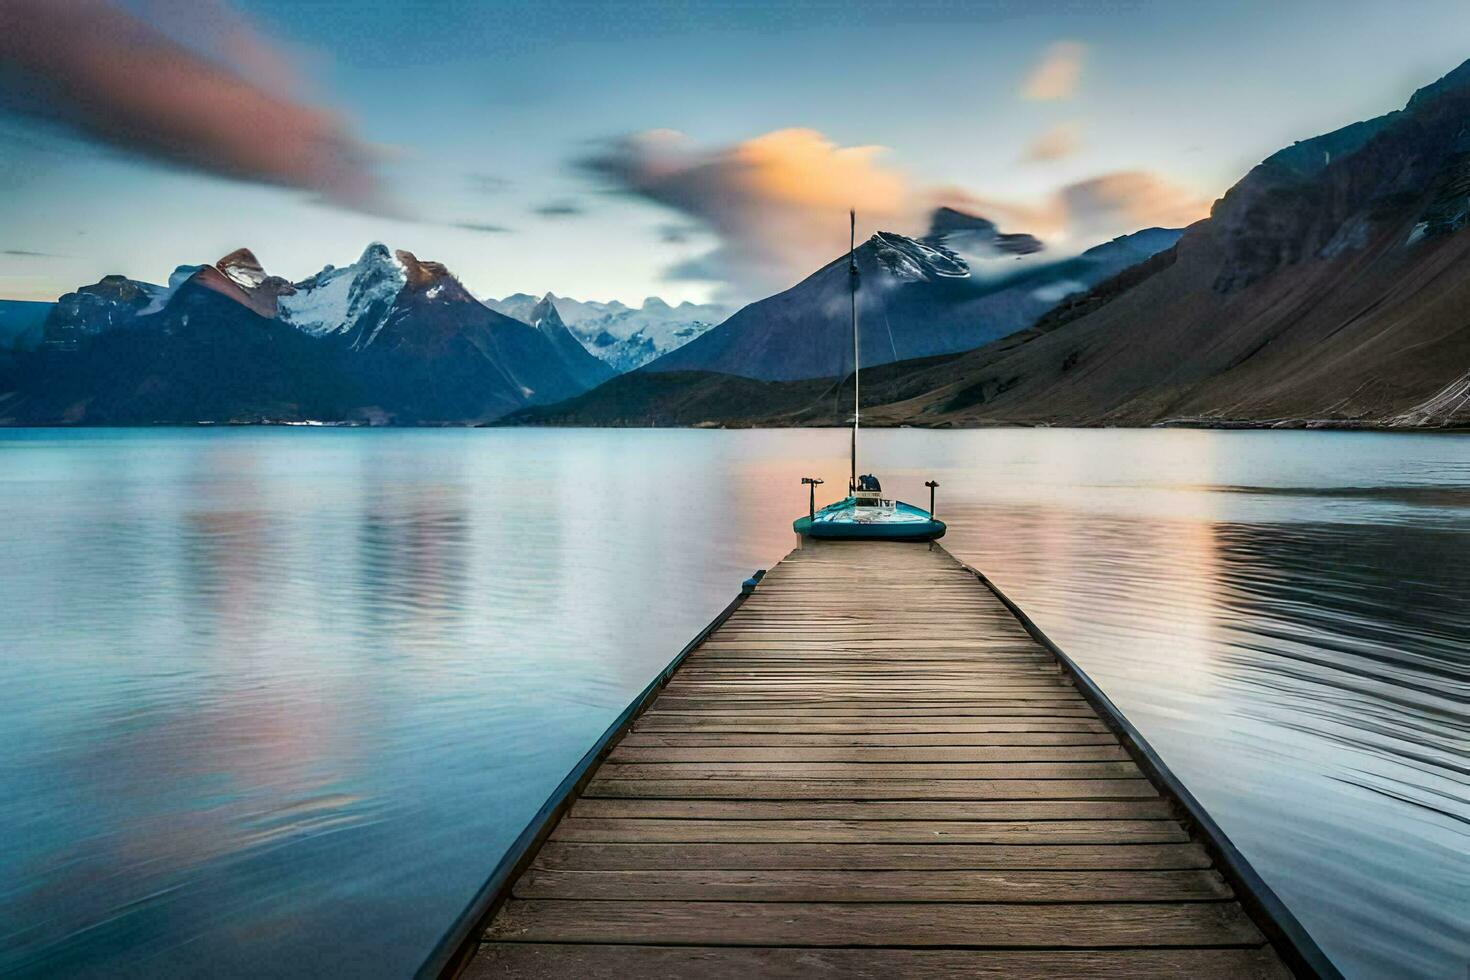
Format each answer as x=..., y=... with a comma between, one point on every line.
x=931, y=485
x=811, y=501
x=852, y=283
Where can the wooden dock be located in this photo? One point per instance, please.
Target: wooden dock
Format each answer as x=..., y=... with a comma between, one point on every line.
x=873, y=768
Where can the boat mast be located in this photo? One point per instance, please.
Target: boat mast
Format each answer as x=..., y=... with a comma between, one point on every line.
x=852, y=276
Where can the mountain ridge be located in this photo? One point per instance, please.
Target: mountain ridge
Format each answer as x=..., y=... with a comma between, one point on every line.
x=391, y=338
x=918, y=297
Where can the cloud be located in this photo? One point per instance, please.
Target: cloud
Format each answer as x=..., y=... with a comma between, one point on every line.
x=27, y=253
x=1132, y=199
x=559, y=209
x=1093, y=210
x=1056, y=75
x=486, y=229
x=1062, y=140
x=778, y=202
x=99, y=69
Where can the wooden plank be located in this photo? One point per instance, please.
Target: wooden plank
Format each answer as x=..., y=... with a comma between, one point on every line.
x=875, y=789
x=870, y=770
x=870, y=832
x=875, y=886
x=643, y=809
x=871, y=857
x=698, y=723
x=524, y=961
x=880, y=697
x=954, y=924
x=780, y=739
x=778, y=713
x=871, y=753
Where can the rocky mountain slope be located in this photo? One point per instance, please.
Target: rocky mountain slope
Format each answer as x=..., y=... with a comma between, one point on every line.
x=390, y=338
x=1330, y=286
x=582, y=365
x=962, y=285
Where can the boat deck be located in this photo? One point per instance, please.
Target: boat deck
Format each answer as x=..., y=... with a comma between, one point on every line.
x=871, y=769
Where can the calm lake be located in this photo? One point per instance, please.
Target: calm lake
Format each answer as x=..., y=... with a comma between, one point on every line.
x=272, y=702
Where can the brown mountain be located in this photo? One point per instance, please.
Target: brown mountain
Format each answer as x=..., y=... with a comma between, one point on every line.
x=1330, y=286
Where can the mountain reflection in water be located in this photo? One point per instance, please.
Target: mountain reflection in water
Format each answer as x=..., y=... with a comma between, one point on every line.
x=275, y=701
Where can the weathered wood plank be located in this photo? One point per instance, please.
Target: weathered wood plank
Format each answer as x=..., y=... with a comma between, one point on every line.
x=870, y=770
x=875, y=789
x=797, y=725
x=645, y=809
x=869, y=753
x=779, y=739
x=877, y=924
x=525, y=961
x=871, y=857
x=778, y=712
x=875, y=886
x=868, y=832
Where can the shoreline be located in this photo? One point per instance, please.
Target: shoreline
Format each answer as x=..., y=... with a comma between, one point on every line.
x=1279, y=425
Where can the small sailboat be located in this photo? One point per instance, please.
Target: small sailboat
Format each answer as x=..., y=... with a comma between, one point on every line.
x=865, y=514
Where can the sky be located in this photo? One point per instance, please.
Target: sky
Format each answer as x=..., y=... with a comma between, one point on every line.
x=609, y=150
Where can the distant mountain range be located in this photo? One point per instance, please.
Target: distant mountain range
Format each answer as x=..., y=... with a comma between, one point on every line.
x=962, y=285
x=396, y=340
x=625, y=337
x=1330, y=286
x=388, y=339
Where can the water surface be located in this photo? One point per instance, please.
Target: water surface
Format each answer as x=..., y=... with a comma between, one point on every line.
x=274, y=701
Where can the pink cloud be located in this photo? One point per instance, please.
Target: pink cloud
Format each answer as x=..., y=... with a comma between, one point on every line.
x=100, y=69
x=1056, y=75
x=1057, y=143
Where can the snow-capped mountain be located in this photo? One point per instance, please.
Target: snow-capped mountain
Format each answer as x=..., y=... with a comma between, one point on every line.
x=389, y=338
x=962, y=285
x=625, y=337
x=355, y=298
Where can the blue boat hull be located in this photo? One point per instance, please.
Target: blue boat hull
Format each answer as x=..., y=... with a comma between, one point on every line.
x=841, y=522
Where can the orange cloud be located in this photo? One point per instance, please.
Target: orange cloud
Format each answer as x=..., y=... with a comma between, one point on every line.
x=1056, y=75
x=1062, y=140
x=777, y=202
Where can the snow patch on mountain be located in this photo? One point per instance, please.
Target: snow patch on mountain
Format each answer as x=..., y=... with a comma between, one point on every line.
x=910, y=260
x=623, y=336
x=336, y=299
x=243, y=268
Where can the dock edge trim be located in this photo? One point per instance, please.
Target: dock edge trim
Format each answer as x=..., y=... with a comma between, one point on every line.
x=457, y=947
x=1292, y=941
